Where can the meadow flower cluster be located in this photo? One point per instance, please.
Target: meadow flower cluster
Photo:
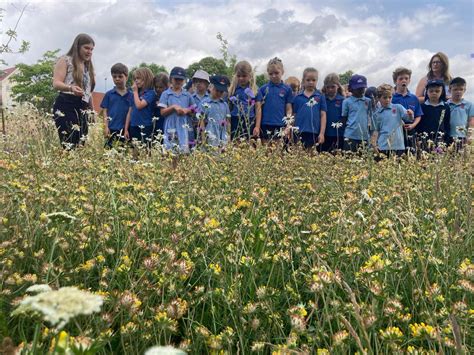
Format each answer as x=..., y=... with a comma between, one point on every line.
x=244, y=251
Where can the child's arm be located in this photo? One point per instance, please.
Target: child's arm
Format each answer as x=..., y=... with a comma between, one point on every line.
x=420, y=89
x=344, y=112
x=127, y=124
x=139, y=103
x=374, y=138
x=323, y=127
x=289, y=109
x=258, y=118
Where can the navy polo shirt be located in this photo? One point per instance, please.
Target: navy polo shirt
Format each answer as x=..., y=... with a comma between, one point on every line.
x=409, y=101
x=274, y=98
x=144, y=116
x=160, y=123
x=307, y=111
x=334, y=115
x=117, y=108
x=241, y=106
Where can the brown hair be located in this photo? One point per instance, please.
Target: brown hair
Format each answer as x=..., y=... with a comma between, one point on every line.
x=444, y=71
x=384, y=89
x=305, y=72
x=77, y=73
x=400, y=71
x=293, y=82
x=161, y=78
x=243, y=67
x=275, y=62
x=333, y=79
x=119, y=68
x=147, y=76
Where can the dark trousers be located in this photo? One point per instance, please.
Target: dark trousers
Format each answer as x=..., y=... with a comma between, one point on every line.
x=71, y=120
x=241, y=127
x=332, y=144
x=353, y=145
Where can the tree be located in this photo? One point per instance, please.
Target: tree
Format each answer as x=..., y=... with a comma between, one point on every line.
x=210, y=64
x=155, y=68
x=229, y=59
x=11, y=35
x=260, y=80
x=345, y=77
x=33, y=83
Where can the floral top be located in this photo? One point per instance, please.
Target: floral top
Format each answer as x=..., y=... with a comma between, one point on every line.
x=86, y=80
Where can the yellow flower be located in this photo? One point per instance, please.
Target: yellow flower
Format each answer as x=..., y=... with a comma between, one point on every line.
x=215, y=268
x=421, y=329
x=391, y=333
x=212, y=223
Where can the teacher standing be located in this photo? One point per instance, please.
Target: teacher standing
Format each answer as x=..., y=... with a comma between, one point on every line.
x=74, y=78
x=438, y=69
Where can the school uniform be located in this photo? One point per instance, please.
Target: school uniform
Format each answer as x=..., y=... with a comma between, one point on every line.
x=117, y=106
x=359, y=115
x=216, y=113
x=274, y=98
x=242, y=120
x=434, y=125
x=178, y=130
x=333, y=137
x=141, y=121
x=307, y=111
x=388, y=122
x=409, y=101
x=459, y=118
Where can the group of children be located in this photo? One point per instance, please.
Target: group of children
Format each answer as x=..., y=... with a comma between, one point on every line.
x=214, y=110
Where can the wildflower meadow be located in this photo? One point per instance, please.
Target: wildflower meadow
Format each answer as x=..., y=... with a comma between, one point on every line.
x=250, y=250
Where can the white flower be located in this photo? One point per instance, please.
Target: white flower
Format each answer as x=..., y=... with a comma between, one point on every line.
x=360, y=215
x=311, y=102
x=61, y=216
x=164, y=350
x=289, y=120
x=59, y=113
x=206, y=105
x=141, y=127
x=336, y=125
x=154, y=118
x=38, y=288
x=58, y=307
x=366, y=197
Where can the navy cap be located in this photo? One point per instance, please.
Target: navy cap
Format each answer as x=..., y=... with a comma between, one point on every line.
x=434, y=83
x=357, y=81
x=220, y=82
x=178, y=73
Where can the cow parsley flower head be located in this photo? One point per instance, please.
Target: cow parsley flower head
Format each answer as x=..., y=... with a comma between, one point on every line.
x=164, y=350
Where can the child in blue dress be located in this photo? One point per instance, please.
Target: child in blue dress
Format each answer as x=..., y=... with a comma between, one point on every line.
x=334, y=95
x=176, y=106
x=215, y=112
x=139, y=123
x=161, y=84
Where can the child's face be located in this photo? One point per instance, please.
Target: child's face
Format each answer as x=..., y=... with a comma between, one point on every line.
x=243, y=79
x=216, y=94
x=177, y=83
x=434, y=93
x=200, y=85
x=119, y=80
x=402, y=81
x=457, y=92
x=275, y=73
x=358, y=92
x=85, y=51
x=139, y=81
x=385, y=100
x=310, y=81
x=159, y=88
x=331, y=90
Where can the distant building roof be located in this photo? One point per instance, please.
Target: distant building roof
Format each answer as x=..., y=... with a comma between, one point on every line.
x=96, y=100
x=6, y=73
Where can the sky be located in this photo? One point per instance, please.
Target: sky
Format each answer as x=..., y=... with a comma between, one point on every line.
x=371, y=38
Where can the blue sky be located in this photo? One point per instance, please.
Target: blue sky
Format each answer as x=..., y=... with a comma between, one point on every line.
x=369, y=37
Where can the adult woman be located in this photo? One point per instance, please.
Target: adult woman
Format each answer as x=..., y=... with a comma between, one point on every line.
x=438, y=69
x=74, y=79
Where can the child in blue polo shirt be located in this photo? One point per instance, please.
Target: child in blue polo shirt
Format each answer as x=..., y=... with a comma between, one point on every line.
x=115, y=105
x=389, y=119
x=309, y=107
x=242, y=101
x=216, y=113
x=401, y=78
x=273, y=104
x=462, y=113
x=433, y=129
x=334, y=95
x=357, y=115
x=160, y=83
x=176, y=105
x=139, y=123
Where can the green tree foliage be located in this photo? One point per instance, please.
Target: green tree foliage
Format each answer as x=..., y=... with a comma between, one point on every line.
x=261, y=79
x=33, y=83
x=155, y=68
x=210, y=64
x=344, y=77
x=229, y=59
x=11, y=35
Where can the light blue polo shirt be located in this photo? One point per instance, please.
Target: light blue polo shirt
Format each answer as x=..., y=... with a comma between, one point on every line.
x=117, y=108
x=334, y=115
x=459, y=120
x=197, y=99
x=409, y=101
x=217, y=112
x=388, y=122
x=242, y=106
x=143, y=117
x=357, y=111
x=307, y=111
x=274, y=98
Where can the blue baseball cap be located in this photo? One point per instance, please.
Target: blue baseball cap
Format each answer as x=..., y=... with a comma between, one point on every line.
x=434, y=83
x=220, y=82
x=178, y=73
x=357, y=81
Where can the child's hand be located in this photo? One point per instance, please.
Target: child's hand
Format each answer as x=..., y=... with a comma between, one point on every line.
x=409, y=126
x=134, y=87
x=77, y=90
x=126, y=135
x=321, y=139
x=106, y=132
x=256, y=132
x=180, y=111
x=410, y=113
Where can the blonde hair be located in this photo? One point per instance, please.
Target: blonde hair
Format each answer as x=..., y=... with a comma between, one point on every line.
x=444, y=72
x=243, y=67
x=305, y=72
x=333, y=79
x=384, y=89
x=146, y=75
x=275, y=62
x=293, y=82
x=74, y=52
